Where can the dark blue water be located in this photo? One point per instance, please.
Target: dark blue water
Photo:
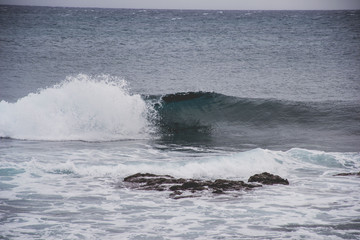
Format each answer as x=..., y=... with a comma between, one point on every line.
x=89, y=96
x=311, y=55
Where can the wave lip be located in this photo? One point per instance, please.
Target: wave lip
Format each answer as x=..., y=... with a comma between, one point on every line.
x=216, y=119
x=211, y=107
x=80, y=108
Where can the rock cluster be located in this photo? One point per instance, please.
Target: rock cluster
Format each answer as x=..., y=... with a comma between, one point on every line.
x=348, y=174
x=178, y=186
x=268, y=179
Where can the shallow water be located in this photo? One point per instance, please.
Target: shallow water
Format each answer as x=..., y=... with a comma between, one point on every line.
x=74, y=190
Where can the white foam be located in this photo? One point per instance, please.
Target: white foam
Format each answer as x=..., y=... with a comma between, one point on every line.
x=230, y=166
x=239, y=166
x=293, y=164
x=80, y=108
x=82, y=186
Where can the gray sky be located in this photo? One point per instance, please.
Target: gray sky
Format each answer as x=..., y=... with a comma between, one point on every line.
x=199, y=4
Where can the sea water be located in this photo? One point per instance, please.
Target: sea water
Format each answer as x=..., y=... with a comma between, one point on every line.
x=90, y=96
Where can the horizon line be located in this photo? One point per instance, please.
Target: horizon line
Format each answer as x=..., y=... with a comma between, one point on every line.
x=184, y=9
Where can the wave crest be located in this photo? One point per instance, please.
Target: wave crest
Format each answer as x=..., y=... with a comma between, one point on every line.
x=80, y=108
x=190, y=109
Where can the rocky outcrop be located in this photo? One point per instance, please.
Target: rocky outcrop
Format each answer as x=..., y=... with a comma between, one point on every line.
x=348, y=174
x=268, y=179
x=179, y=186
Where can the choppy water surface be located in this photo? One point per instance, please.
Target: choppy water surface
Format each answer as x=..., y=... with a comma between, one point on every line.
x=90, y=96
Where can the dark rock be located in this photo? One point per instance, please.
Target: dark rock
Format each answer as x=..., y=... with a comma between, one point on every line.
x=228, y=185
x=268, y=179
x=178, y=186
x=148, y=181
x=348, y=174
x=145, y=177
x=192, y=185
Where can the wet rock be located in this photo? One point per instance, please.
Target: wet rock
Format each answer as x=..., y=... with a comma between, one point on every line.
x=229, y=185
x=348, y=174
x=148, y=181
x=268, y=179
x=179, y=186
x=191, y=185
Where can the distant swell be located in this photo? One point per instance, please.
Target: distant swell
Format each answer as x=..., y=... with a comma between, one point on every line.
x=80, y=108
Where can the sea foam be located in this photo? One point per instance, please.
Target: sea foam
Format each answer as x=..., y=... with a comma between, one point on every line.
x=236, y=166
x=80, y=108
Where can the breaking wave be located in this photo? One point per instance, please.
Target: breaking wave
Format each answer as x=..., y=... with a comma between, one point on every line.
x=102, y=109
x=80, y=108
x=180, y=111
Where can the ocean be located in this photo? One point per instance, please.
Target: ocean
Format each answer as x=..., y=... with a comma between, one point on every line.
x=91, y=96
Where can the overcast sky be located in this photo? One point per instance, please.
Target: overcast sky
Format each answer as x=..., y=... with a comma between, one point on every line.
x=199, y=4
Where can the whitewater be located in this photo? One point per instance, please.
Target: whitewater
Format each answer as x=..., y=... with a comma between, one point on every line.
x=89, y=97
x=74, y=110
x=63, y=158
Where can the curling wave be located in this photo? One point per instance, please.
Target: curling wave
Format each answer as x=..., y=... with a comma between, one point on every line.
x=191, y=110
x=219, y=120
